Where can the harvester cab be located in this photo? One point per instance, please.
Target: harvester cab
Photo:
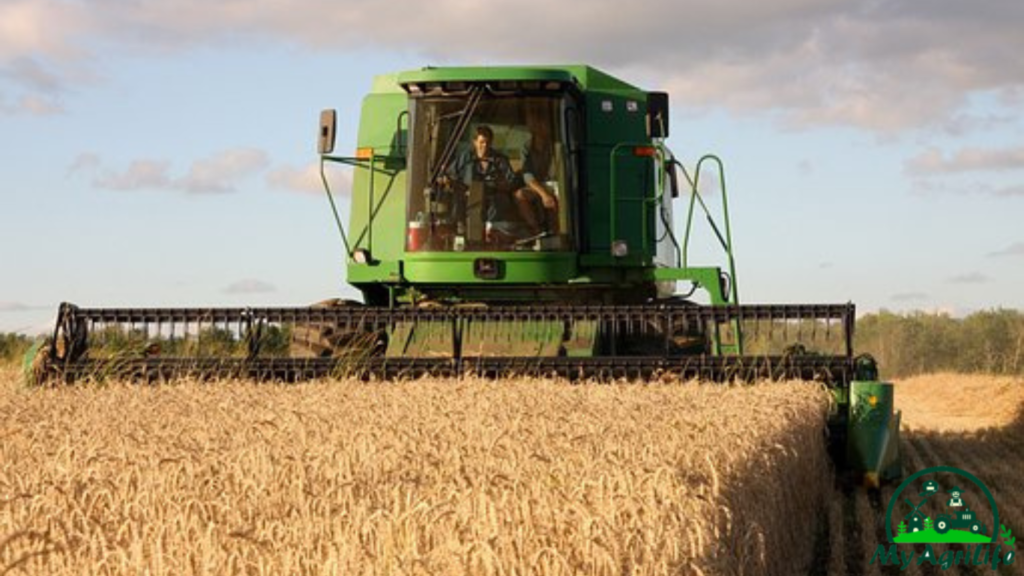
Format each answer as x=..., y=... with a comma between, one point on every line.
x=512, y=220
x=515, y=185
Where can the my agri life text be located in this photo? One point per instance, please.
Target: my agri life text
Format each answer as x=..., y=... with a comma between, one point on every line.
x=976, y=555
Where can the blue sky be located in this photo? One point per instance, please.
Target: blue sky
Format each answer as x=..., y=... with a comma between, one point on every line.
x=160, y=153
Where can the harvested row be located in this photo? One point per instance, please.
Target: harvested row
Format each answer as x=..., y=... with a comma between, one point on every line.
x=975, y=423
x=421, y=477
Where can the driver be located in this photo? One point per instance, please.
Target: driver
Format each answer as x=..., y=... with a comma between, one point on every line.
x=483, y=163
x=491, y=168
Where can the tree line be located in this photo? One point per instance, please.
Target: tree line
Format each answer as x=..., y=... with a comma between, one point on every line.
x=990, y=341
x=13, y=347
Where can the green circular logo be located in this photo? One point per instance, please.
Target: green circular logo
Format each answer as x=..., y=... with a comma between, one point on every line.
x=945, y=522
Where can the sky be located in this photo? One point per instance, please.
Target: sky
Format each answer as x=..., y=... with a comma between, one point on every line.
x=162, y=153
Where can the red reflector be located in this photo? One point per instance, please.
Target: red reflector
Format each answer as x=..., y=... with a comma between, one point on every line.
x=645, y=151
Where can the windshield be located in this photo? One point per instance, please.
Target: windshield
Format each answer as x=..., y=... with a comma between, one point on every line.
x=490, y=173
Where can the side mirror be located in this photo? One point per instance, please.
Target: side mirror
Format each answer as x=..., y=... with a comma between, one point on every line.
x=328, y=123
x=657, y=114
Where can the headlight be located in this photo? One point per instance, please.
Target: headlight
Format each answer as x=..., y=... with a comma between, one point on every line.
x=361, y=256
x=620, y=249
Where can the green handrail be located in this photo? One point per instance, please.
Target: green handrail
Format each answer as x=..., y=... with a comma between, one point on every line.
x=726, y=240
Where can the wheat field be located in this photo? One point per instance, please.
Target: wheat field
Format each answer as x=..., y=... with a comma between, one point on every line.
x=469, y=477
x=419, y=477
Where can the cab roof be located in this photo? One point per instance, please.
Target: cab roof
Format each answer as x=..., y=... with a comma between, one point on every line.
x=583, y=76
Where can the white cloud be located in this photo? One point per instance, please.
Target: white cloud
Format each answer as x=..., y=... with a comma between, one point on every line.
x=32, y=74
x=250, y=286
x=933, y=161
x=307, y=179
x=42, y=52
x=909, y=297
x=1009, y=191
x=933, y=185
x=881, y=65
x=47, y=28
x=140, y=174
x=40, y=105
x=84, y=162
x=1015, y=249
x=219, y=173
x=970, y=278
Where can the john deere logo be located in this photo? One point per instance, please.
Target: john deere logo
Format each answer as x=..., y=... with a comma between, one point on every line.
x=945, y=505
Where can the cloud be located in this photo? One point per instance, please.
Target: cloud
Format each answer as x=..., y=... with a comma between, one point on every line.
x=296, y=179
x=140, y=174
x=84, y=162
x=32, y=105
x=216, y=174
x=307, y=179
x=1015, y=249
x=933, y=161
x=909, y=297
x=48, y=28
x=969, y=278
x=1009, y=191
x=31, y=74
x=14, y=307
x=42, y=53
x=39, y=105
x=936, y=186
x=880, y=65
x=249, y=286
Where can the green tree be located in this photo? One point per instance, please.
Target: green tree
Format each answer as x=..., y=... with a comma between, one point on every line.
x=902, y=528
x=917, y=342
x=927, y=523
x=13, y=347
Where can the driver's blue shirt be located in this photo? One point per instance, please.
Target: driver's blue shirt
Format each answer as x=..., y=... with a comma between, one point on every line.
x=494, y=169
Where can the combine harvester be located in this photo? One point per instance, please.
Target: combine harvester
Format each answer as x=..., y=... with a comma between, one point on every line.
x=510, y=220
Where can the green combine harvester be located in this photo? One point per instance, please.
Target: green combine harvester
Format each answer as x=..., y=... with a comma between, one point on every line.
x=510, y=220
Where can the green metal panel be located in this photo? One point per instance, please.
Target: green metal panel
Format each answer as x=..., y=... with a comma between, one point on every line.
x=379, y=188
x=423, y=339
x=387, y=84
x=591, y=78
x=707, y=277
x=512, y=338
x=386, y=271
x=583, y=339
x=500, y=338
x=873, y=434
x=614, y=116
x=517, y=268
